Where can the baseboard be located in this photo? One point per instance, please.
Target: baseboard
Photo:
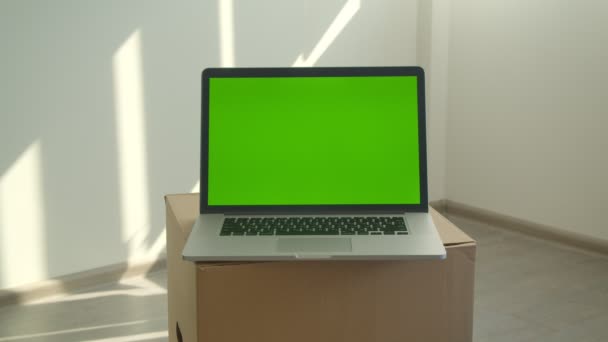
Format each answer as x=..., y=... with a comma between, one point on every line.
x=541, y=231
x=78, y=281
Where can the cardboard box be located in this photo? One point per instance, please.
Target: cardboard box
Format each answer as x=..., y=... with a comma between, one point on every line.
x=354, y=301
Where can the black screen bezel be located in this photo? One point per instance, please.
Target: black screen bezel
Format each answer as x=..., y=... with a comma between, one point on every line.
x=208, y=73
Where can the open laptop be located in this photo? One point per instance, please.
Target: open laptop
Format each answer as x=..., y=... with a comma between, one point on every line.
x=313, y=163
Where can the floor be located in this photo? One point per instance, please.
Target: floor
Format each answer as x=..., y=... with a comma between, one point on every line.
x=133, y=310
x=526, y=290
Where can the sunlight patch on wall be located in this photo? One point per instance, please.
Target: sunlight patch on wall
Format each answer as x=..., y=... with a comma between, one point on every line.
x=226, y=22
x=351, y=7
x=132, y=162
x=22, y=225
x=156, y=249
x=196, y=187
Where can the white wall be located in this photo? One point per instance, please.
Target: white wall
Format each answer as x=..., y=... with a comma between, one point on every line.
x=432, y=54
x=99, y=109
x=528, y=110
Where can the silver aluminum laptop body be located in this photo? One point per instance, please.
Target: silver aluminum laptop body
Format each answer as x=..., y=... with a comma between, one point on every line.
x=206, y=243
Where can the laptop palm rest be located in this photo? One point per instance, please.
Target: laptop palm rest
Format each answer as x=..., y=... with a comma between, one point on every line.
x=314, y=245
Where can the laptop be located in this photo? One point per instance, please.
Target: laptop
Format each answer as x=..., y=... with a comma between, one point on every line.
x=313, y=164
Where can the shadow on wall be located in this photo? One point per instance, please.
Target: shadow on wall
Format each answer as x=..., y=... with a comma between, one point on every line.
x=101, y=110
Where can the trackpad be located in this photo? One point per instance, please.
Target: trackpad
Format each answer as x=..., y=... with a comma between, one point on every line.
x=314, y=245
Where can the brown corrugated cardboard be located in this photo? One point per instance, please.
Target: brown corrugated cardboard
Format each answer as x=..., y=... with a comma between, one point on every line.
x=318, y=300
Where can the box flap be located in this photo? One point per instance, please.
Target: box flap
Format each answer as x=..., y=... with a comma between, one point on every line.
x=185, y=208
x=449, y=233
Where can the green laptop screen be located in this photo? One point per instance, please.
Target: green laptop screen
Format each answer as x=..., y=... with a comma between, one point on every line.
x=313, y=141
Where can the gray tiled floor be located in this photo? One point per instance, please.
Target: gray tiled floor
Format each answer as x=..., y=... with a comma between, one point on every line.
x=133, y=310
x=526, y=290
x=533, y=290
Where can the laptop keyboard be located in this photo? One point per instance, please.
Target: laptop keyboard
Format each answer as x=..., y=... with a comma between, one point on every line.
x=364, y=225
